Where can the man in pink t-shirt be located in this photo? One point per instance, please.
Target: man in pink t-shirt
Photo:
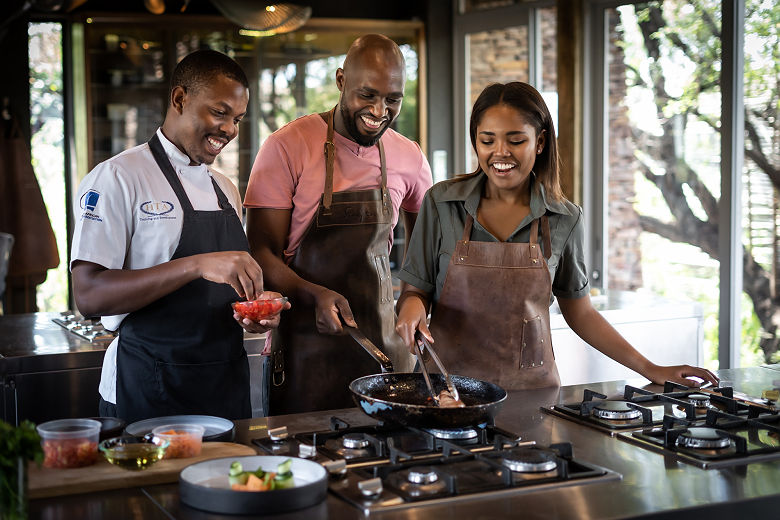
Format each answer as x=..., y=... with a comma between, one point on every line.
x=325, y=193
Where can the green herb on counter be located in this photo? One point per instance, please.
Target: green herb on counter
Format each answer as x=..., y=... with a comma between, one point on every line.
x=18, y=445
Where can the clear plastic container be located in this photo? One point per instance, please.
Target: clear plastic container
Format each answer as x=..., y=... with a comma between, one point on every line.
x=185, y=440
x=69, y=443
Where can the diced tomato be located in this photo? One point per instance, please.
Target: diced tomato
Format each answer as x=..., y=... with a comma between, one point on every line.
x=257, y=310
x=182, y=444
x=69, y=453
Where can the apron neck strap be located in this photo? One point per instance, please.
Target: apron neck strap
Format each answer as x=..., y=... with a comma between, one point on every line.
x=467, y=228
x=544, y=223
x=221, y=197
x=170, y=174
x=330, y=159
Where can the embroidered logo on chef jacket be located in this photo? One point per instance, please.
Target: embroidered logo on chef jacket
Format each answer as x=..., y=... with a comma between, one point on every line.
x=88, y=203
x=156, y=210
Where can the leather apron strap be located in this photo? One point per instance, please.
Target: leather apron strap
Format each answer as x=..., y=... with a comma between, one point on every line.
x=502, y=336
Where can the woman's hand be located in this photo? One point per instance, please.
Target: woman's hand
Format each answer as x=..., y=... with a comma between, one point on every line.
x=412, y=316
x=264, y=325
x=681, y=374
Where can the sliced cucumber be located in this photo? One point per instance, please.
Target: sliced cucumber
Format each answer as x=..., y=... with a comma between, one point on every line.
x=284, y=467
x=235, y=469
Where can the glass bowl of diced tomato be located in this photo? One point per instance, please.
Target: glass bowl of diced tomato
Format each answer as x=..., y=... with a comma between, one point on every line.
x=260, y=309
x=184, y=440
x=69, y=443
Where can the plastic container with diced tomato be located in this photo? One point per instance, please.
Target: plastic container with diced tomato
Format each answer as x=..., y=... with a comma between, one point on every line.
x=185, y=440
x=260, y=309
x=69, y=443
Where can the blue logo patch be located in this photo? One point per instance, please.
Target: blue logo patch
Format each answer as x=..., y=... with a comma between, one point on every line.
x=89, y=200
x=156, y=208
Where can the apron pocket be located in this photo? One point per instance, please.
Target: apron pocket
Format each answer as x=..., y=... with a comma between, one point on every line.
x=216, y=388
x=532, y=349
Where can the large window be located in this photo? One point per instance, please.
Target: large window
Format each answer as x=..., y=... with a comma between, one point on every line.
x=47, y=149
x=662, y=120
x=761, y=182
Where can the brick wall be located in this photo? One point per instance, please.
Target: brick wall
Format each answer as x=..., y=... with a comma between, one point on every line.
x=623, y=229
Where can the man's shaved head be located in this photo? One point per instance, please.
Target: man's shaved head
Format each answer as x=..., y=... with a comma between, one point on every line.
x=375, y=50
x=371, y=83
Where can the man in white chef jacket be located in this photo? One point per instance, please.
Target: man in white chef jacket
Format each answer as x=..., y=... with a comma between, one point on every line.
x=159, y=253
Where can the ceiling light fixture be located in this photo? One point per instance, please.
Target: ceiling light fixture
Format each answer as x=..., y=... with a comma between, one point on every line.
x=263, y=19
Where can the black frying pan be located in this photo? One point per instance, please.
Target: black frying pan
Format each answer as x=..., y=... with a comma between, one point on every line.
x=404, y=397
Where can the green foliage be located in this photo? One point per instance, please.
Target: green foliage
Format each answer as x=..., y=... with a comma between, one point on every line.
x=19, y=441
x=678, y=70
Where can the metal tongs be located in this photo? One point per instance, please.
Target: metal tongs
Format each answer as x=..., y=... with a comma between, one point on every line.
x=450, y=387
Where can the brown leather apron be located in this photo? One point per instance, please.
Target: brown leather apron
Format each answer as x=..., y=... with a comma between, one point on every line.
x=492, y=321
x=345, y=250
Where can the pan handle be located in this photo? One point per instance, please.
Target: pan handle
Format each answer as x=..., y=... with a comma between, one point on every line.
x=368, y=346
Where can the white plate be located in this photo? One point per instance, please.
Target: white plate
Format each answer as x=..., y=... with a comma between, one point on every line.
x=214, y=425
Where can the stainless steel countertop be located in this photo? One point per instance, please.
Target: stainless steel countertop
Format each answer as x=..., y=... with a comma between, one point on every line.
x=652, y=486
x=34, y=343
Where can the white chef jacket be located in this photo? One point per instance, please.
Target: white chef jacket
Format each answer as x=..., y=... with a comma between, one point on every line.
x=128, y=217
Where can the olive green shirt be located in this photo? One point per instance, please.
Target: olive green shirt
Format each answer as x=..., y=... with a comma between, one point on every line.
x=442, y=219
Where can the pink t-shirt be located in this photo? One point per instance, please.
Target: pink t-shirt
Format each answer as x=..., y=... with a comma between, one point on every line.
x=289, y=172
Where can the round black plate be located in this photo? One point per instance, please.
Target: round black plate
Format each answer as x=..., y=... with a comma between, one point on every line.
x=110, y=426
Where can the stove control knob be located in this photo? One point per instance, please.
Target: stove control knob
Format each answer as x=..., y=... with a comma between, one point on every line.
x=422, y=475
x=371, y=488
x=278, y=434
x=307, y=451
x=335, y=468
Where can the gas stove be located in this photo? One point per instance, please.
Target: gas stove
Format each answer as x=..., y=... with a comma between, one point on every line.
x=88, y=329
x=386, y=467
x=707, y=428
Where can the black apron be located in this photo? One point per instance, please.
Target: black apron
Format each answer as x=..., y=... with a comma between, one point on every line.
x=345, y=250
x=184, y=353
